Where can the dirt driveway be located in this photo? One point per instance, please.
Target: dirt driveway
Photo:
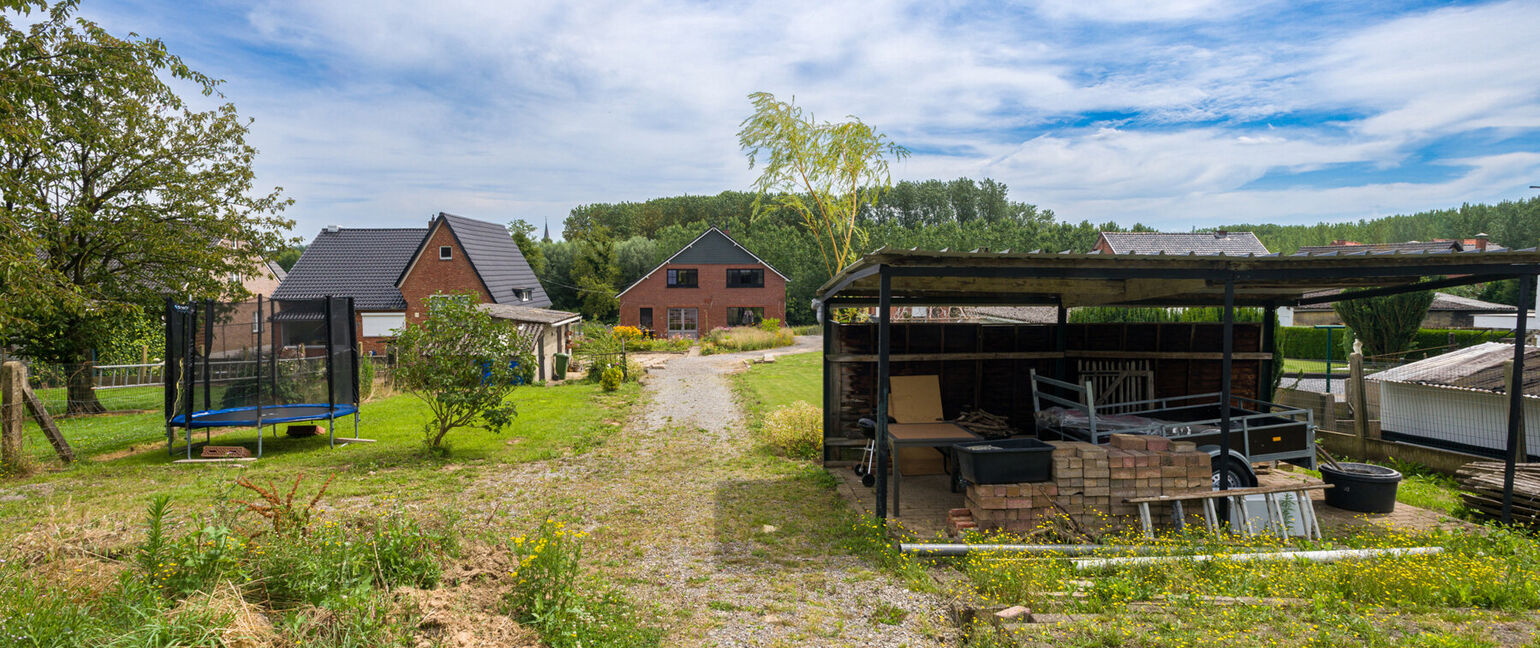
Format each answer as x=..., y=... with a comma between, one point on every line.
x=736, y=547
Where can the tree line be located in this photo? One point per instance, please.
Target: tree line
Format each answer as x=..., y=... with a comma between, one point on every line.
x=608, y=246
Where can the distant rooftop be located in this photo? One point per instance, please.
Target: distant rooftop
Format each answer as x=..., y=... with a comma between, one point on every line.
x=1441, y=302
x=1216, y=242
x=1477, y=368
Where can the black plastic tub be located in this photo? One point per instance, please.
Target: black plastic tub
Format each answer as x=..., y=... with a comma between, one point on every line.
x=1007, y=461
x=1365, y=488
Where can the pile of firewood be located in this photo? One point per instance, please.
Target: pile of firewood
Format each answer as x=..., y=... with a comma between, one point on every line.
x=1482, y=485
x=985, y=424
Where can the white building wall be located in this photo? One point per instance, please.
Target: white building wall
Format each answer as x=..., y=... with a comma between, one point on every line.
x=1478, y=419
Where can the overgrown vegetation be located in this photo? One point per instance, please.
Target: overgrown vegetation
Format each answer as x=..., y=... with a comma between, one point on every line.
x=744, y=338
x=550, y=595
x=224, y=578
x=794, y=431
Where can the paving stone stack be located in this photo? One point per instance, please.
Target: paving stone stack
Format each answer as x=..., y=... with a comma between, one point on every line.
x=1090, y=484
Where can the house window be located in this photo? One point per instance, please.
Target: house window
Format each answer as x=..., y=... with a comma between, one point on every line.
x=745, y=315
x=683, y=278
x=446, y=252
x=683, y=321
x=746, y=278
x=523, y=294
x=381, y=324
x=645, y=319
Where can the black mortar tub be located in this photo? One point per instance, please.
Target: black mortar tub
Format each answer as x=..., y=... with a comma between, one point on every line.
x=1361, y=487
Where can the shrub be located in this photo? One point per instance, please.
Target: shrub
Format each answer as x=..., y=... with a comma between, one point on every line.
x=770, y=325
x=463, y=364
x=365, y=377
x=611, y=378
x=1386, y=324
x=795, y=430
x=629, y=333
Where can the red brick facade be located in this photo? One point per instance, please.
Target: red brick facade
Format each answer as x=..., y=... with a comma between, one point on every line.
x=428, y=275
x=711, y=298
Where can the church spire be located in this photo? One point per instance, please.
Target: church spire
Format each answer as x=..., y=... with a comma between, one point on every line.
x=547, y=229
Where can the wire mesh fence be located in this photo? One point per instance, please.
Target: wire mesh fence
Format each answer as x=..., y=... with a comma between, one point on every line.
x=1459, y=400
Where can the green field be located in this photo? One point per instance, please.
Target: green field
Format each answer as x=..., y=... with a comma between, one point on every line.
x=769, y=386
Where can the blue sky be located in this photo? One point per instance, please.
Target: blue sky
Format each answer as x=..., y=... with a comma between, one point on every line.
x=1176, y=114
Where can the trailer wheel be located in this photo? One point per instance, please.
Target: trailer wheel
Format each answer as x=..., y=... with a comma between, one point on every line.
x=1235, y=473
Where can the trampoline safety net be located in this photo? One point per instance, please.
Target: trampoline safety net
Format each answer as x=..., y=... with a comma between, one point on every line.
x=231, y=363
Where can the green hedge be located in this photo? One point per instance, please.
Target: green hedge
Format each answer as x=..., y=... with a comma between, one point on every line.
x=1308, y=343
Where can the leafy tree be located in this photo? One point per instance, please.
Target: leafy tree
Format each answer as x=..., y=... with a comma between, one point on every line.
x=460, y=362
x=524, y=236
x=594, y=273
x=1385, y=325
x=826, y=173
x=557, y=277
x=635, y=257
x=119, y=191
x=287, y=257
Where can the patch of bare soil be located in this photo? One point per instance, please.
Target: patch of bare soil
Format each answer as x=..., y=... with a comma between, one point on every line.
x=467, y=608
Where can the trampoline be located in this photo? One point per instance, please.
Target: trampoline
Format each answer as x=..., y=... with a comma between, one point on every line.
x=259, y=364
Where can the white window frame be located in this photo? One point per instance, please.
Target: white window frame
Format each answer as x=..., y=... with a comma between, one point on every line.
x=370, y=324
x=687, y=315
x=446, y=252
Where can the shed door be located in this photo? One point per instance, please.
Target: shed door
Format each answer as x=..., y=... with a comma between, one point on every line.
x=683, y=322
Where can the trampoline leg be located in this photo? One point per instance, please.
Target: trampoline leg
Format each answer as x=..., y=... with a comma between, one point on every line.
x=331, y=431
x=355, y=424
x=189, y=443
x=170, y=438
x=259, y=438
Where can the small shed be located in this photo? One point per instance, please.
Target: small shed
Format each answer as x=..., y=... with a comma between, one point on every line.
x=550, y=330
x=1458, y=400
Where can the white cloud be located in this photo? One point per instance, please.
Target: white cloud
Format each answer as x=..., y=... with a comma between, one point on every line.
x=383, y=112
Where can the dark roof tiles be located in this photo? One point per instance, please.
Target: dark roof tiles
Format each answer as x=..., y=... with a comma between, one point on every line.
x=358, y=262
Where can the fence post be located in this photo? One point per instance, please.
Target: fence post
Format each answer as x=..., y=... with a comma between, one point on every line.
x=624, y=370
x=144, y=361
x=1357, y=398
x=13, y=380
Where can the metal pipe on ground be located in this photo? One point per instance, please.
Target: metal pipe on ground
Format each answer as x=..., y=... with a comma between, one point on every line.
x=943, y=550
x=1330, y=555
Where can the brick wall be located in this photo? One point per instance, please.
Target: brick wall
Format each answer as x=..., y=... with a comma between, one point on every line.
x=429, y=275
x=712, y=297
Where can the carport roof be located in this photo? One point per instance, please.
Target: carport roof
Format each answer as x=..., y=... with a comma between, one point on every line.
x=983, y=277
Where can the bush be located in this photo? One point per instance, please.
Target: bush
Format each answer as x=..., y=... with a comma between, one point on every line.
x=611, y=378
x=795, y=430
x=770, y=325
x=629, y=333
x=365, y=377
x=1307, y=343
x=807, y=329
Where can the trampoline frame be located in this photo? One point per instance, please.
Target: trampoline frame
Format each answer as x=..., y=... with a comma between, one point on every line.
x=188, y=419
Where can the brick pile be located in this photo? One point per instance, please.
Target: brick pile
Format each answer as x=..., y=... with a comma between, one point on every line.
x=1090, y=484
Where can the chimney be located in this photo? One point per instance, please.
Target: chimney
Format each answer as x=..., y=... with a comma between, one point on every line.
x=333, y=228
x=1481, y=242
x=1219, y=234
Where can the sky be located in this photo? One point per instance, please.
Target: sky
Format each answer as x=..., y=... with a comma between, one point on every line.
x=1180, y=115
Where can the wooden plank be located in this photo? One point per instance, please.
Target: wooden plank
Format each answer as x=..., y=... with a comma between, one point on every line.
x=936, y=357
x=1167, y=355
x=50, y=429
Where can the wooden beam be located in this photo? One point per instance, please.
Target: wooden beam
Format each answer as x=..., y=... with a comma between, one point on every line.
x=50, y=429
x=1050, y=355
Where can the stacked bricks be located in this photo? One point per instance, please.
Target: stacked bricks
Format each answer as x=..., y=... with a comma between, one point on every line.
x=1090, y=484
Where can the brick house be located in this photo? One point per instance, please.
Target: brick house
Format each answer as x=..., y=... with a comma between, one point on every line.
x=389, y=271
x=711, y=283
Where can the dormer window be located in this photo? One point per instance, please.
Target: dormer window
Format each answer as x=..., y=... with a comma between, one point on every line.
x=446, y=252
x=523, y=294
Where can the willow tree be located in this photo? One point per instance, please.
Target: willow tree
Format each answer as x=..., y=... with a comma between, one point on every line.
x=117, y=192
x=825, y=172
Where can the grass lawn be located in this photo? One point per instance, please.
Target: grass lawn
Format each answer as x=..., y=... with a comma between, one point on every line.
x=767, y=387
x=1293, y=366
x=116, y=399
x=552, y=421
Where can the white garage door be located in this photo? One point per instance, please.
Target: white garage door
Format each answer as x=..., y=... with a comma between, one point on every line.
x=382, y=324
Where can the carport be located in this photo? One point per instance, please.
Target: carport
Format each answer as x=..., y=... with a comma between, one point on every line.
x=891, y=278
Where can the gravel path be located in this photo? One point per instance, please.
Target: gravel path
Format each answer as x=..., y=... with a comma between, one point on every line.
x=744, y=590
x=692, y=391
x=732, y=546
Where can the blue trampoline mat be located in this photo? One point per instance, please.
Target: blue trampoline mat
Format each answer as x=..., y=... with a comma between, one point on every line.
x=247, y=416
